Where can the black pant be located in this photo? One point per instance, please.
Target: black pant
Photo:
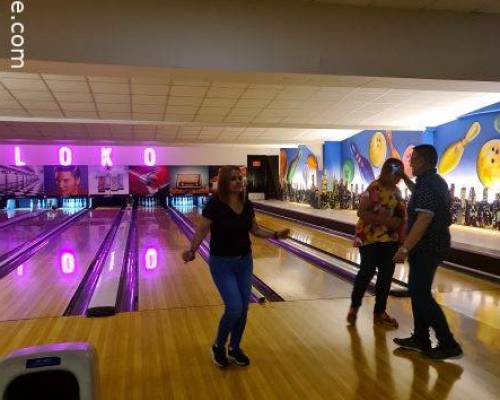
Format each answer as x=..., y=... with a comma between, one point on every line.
x=426, y=311
x=375, y=256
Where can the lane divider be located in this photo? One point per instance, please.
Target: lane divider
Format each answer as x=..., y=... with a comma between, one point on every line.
x=28, y=249
x=83, y=294
x=127, y=299
x=22, y=217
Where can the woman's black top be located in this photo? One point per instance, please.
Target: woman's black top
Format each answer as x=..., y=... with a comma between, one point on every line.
x=229, y=231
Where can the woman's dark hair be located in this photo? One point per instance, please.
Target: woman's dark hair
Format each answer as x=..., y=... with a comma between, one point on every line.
x=389, y=164
x=224, y=181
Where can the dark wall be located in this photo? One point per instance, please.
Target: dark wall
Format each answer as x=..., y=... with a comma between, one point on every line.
x=263, y=175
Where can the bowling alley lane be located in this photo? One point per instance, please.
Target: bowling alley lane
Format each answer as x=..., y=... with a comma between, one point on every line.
x=23, y=231
x=288, y=275
x=5, y=215
x=43, y=285
x=164, y=280
x=446, y=280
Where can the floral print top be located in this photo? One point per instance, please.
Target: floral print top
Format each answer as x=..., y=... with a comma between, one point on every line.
x=381, y=198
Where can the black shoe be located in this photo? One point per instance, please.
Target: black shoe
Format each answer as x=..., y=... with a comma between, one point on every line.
x=444, y=352
x=219, y=356
x=412, y=343
x=238, y=357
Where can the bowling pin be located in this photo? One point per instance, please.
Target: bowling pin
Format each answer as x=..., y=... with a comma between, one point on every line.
x=364, y=165
x=388, y=139
x=453, y=154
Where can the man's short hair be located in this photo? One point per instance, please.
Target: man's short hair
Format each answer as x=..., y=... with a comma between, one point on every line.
x=428, y=153
x=75, y=170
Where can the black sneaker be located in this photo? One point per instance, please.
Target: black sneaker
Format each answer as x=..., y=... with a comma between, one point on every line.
x=412, y=343
x=444, y=352
x=219, y=356
x=238, y=357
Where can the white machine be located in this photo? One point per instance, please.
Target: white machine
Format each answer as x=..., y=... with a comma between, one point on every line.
x=59, y=371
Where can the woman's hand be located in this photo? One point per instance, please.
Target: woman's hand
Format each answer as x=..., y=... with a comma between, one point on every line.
x=188, y=255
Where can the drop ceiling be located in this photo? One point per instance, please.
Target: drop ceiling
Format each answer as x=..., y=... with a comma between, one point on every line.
x=253, y=110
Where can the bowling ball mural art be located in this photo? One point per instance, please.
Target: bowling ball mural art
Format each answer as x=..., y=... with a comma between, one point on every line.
x=377, y=150
x=406, y=160
x=452, y=156
x=497, y=123
x=364, y=167
x=348, y=171
x=488, y=164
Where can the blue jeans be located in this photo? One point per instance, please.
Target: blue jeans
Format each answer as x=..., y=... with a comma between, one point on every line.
x=233, y=278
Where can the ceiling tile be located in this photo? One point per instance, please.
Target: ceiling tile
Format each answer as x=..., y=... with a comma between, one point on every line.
x=189, y=91
x=146, y=99
x=24, y=84
x=148, y=108
x=18, y=75
x=40, y=105
x=81, y=114
x=181, y=109
x=109, y=88
x=68, y=86
x=244, y=112
x=228, y=92
x=82, y=107
x=208, y=118
x=150, y=89
x=54, y=77
x=147, y=117
x=219, y=102
x=73, y=97
x=46, y=113
x=191, y=83
x=9, y=105
x=185, y=101
x=110, y=107
x=112, y=98
x=30, y=95
x=252, y=103
x=115, y=115
x=214, y=110
x=108, y=79
x=259, y=94
x=179, y=117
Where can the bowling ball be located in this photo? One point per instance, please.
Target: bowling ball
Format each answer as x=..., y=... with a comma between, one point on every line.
x=348, y=171
x=283, y=163
x=497, y=123
x=488, y=164
x=406, y=160
x=378, y=149
x=312, y=163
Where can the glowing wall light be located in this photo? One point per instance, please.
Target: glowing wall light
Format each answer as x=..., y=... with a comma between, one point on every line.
x=65, y=156
x=67, y=263
x=149, y=157
x=111, y=261
x=151, y=259
x=106, y=157
x=20, y=270
x=17, y=155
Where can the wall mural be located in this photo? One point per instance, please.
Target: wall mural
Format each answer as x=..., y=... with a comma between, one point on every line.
x=298, y=168
x=469, y=150
x=189, y=180
x=21, y=181
x=108, y=180
x=66, y=181
x=148, y=181
x=363, y=155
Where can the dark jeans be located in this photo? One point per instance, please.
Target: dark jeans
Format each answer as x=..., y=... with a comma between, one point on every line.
x=375, y=256
x=426, y=311
x=233, y=278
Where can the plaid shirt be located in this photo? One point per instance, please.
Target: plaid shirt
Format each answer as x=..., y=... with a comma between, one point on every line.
x=432, y=196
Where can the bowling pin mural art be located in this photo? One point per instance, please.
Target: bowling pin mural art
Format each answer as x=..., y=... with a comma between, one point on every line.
x=392, y=149
x=452, y=156
x=348, y=171
x=294, y=164
x=377, y=150
x=497, y=123
x=364, y=167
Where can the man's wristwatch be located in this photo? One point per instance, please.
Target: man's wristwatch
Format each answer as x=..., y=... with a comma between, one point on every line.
x=404, y=249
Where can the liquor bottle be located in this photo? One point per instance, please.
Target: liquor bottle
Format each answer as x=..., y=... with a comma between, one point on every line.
x=452, y=191
x=473, y=207
x=461, y=209
x=496, y=212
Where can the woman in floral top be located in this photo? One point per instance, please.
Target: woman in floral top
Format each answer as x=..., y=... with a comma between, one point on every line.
x=379, y=233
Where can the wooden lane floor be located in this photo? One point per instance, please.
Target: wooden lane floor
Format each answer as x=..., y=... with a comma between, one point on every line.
x=299, y=350
x=446, y=280
x=290, y=276
x=23, y=231
x=44, y=284
x=476, y=297
x=164, y=280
